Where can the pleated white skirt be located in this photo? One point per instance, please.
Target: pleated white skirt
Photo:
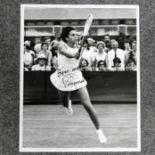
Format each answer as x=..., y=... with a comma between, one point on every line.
x=68, y=82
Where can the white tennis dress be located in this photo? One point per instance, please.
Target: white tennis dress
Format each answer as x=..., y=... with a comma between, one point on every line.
x=68, y=77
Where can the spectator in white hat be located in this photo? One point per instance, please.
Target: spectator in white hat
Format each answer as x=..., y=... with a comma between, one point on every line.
x=46, y=52
x=41, y=64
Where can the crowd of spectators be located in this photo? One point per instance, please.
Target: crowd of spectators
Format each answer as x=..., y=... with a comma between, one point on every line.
x=104, y=55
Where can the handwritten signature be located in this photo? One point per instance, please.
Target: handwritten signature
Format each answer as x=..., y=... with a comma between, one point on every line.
x=63, y=72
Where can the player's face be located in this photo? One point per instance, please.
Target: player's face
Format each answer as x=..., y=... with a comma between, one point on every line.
x=72, y=37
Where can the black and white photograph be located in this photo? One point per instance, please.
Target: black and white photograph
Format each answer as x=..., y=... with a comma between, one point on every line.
x=79, y=78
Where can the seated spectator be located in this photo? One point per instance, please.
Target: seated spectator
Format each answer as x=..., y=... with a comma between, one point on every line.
x=41, y=64
x=91, y=41
x=47, y=40
x=79, y=38
x=107, y=42
x=54, y=47
x=134, y=52
x=131, y=58
x=115, y=58
x=37, y=40
x=91, y=44
x=54, y=52
x=88, y=54
x=112, y=41
x=121, y=39
x=127, y=46
x=101, y=53
x=28, y=56
x=46, y=52
x=37, y=46
x=127, y=50
x=84, y=65
x=101, y=66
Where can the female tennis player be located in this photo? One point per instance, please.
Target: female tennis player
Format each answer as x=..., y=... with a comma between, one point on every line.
x=68, y=77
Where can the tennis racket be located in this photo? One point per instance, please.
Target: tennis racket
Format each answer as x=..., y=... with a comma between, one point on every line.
x=86, y=30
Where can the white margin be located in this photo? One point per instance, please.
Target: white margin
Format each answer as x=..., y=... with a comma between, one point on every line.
x=138, y=84
x=21, y=86
x=21, y=77
x=79, y=6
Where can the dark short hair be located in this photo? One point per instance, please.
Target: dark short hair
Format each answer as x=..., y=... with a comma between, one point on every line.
x=44, y=43
x=107, y=35
x=65, y=33
x=45, y=38
x=134, y=42
x=28, y=47
x=86, y=42
x=127, y=41
x=85, y=60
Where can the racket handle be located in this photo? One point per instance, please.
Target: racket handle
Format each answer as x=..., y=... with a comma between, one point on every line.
x=82, y=42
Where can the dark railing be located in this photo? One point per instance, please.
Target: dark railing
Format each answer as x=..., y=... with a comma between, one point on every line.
x=103, y=87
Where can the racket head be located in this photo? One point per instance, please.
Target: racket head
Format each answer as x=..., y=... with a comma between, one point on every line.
x=88, y=24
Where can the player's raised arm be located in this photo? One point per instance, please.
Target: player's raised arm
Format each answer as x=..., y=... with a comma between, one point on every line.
x=63, y=50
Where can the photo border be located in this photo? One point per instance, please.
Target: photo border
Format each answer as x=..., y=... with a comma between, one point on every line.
x=21, y=148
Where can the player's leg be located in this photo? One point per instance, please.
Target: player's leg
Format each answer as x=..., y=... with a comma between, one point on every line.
x=66, y=102
x=85, y=100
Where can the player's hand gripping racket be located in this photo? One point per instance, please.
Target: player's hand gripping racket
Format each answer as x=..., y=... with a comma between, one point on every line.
x=86, y=30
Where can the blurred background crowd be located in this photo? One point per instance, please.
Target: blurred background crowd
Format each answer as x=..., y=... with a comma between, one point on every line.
x=108, y=54
x=110, y=45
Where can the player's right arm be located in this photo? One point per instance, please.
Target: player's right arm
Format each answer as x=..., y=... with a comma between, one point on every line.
x=63, y=50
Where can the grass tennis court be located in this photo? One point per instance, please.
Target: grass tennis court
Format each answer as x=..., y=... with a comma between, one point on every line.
x=48, y=126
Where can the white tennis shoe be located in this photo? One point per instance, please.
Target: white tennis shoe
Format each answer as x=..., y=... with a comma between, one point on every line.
x=101, y=136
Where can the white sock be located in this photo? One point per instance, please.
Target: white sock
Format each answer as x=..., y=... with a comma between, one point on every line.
x=69, y=110
x=101, y=136
x=70, y=104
